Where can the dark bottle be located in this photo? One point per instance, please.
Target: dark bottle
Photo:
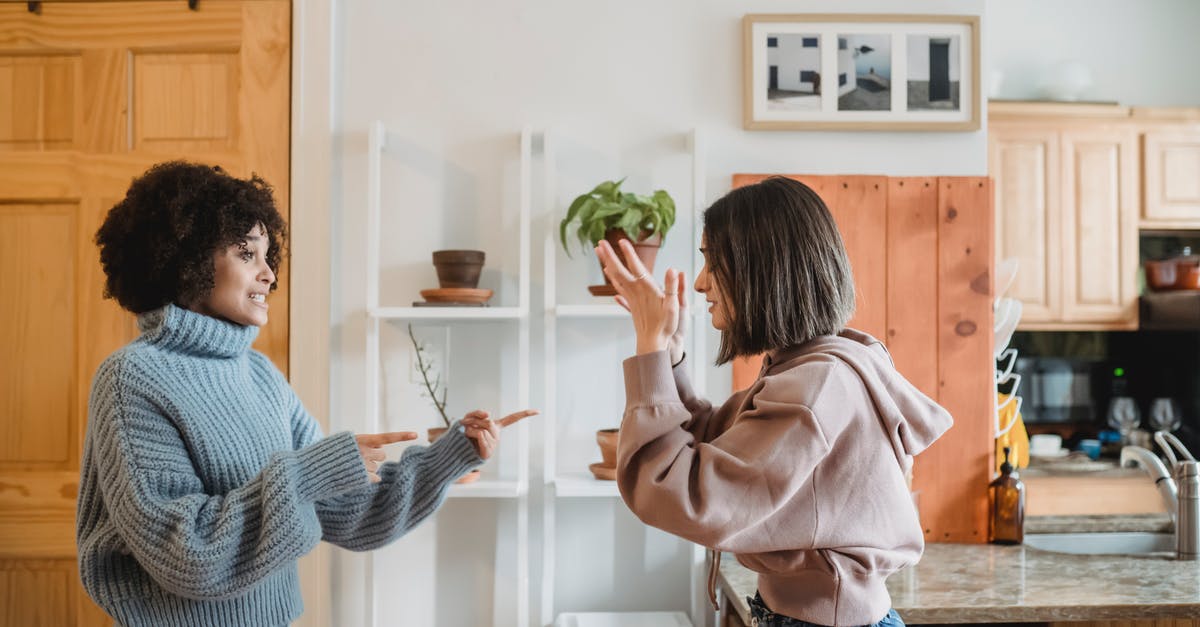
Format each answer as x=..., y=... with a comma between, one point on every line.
x=1008, y=506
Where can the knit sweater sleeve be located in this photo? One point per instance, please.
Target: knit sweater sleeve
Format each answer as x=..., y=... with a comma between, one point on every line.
x=727, y=493
x=409, y=491
x=195, y=544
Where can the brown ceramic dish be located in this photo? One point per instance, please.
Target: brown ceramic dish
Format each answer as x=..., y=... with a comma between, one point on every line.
x=602, y=472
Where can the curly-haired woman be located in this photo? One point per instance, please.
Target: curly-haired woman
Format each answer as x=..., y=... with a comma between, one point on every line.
x=204, y=479
x=802, y=474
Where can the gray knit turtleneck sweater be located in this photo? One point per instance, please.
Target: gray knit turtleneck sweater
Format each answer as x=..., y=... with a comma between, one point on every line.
x=204, y=480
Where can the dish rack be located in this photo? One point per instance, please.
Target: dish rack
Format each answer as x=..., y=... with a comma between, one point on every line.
x=1007, y=315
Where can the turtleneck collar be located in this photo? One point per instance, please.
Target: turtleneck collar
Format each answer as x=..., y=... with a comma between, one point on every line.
x=177, y=329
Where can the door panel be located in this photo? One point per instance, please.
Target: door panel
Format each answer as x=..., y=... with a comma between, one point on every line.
x=1025, y=164
x=1100, y=231
x=1172, y=179
x=91, y=95
x=42, y=109
x=37, y=262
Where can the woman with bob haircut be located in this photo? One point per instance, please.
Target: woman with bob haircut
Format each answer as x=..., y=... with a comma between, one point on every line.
x=204, y=479
x=802, y=475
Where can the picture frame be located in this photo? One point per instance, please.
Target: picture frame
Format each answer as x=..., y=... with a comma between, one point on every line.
x=893, y=72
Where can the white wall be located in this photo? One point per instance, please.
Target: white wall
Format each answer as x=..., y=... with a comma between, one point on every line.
x=1139, y=53
x=455, y=81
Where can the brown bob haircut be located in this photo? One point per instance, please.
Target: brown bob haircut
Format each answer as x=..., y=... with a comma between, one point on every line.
x=779, y=261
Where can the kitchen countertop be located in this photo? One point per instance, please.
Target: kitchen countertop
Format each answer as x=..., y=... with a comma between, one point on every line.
x=983, y=583
x=1100, y=523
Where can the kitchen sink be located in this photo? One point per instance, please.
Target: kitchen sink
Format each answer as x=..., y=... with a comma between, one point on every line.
x=1113, y=543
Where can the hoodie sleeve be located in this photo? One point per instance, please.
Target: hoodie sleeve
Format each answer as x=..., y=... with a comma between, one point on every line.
x=702, y=425
x=726, y=493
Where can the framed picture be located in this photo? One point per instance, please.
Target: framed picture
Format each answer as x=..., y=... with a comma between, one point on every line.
x=862, y=72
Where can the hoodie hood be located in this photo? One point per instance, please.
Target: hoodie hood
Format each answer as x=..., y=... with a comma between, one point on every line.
x=911, y=419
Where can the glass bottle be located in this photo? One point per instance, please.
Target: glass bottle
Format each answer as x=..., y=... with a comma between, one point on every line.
x=1008, y=505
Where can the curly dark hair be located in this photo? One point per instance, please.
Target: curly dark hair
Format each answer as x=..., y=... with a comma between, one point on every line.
x=157, y=245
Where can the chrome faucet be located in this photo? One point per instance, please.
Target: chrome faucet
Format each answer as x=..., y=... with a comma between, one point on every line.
x=1154, y=466
x=1179, y=488
x=1187, y=482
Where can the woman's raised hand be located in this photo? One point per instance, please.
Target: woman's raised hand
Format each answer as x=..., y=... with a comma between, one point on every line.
x=657, y=313
x=484, y=433
x=370, y=448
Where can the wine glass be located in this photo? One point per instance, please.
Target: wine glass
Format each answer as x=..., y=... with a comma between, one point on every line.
x=1123, y=415
x=1164, y=415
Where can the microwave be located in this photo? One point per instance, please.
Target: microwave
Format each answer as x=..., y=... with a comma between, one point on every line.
x=1058, y=390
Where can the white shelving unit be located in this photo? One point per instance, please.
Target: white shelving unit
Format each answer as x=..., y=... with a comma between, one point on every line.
x=516, y=487
x=579, y=483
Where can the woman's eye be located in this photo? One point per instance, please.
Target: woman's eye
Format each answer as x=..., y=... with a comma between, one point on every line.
x=246, y=255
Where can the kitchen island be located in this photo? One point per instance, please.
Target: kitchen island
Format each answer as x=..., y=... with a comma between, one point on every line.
x=981, y=583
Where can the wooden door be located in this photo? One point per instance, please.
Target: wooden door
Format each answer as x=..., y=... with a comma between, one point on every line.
x=1172, y=183
x=1099, y=242
x=92, y=94
x=1023, y=161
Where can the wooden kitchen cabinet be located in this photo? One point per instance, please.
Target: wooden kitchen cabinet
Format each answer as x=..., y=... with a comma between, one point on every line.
x=1066, y=198
x=1023, y=163
x=1172, y=178
x=1099, y=227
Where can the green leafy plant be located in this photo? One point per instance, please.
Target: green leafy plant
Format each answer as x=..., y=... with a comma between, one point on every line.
x=425, y=366
x=607, y=207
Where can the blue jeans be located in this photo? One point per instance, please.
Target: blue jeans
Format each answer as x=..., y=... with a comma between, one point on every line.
x=761, y=616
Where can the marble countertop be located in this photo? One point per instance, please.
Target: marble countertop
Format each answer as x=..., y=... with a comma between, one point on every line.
x=982, y=583
x=1100, y=523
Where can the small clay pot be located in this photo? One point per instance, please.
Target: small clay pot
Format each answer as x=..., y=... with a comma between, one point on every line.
x=646, y=249
x=458, y=268
x=436, y=432
x=607, y=439
x=1160, y=275
x=1187, y=277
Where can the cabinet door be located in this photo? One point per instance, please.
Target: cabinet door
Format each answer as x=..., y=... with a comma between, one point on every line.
x=1024, y=163
x=1099, y=243
x=1172, y=179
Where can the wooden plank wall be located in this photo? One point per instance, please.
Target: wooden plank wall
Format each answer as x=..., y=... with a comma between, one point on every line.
x=921, y=250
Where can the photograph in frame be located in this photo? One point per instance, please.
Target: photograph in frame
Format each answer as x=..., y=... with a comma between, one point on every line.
x=864, y=72
x=794, y=71
x=934, y=73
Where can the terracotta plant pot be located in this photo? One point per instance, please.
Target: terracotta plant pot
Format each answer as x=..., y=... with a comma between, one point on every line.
x=607, y=439
x=1187, y=277
x=458, y=268
x=647, y=252
x=1160, y=275
x=435, y=433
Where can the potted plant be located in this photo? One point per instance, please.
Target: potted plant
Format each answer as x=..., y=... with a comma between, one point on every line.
x=425, y=366
x=608, y=213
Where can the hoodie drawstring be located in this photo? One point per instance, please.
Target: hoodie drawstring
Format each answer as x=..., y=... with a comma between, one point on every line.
x=714, y=567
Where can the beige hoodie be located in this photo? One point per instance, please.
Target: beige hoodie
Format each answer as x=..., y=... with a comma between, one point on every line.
x=801, y=475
